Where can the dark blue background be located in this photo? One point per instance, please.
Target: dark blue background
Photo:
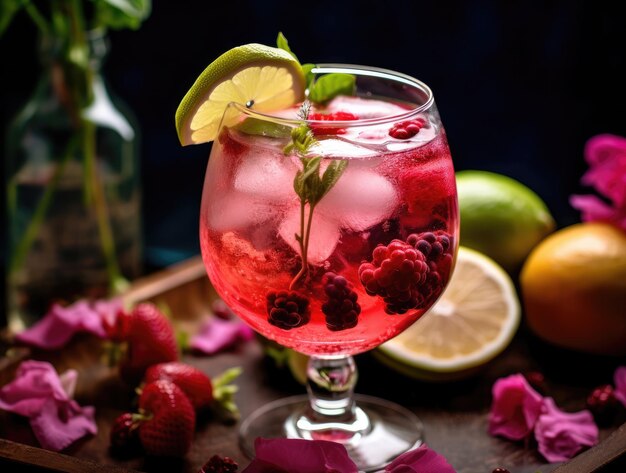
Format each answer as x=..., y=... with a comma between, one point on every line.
x=520, y=85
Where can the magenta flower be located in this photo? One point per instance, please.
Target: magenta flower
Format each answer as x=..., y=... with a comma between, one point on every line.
x=281, y=455
x=420, y=460
x=61, y=323
x=37, y=392
x=562, y=435
x=515, y=408
x=217, y=334
x=606, y=156
x=619, y=378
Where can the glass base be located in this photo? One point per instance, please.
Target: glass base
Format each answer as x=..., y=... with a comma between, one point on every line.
x=378, y=432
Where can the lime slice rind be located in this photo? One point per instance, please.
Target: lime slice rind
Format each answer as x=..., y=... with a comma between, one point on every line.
x=397, y=350
x=266, y=78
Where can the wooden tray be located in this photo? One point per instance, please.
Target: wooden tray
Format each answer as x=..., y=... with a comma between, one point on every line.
x=454, y=414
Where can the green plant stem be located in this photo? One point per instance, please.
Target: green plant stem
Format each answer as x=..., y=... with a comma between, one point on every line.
x=38, y=18
x=100, y=206
x=303, y=240
x=18, y=256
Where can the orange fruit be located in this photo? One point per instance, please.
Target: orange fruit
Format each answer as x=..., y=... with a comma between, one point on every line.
x=574, y=289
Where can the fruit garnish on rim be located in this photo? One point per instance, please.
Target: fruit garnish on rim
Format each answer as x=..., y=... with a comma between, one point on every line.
x=259, y=77
x=254, y=75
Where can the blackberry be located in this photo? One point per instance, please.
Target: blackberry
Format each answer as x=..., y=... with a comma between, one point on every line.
x=436, y=248
x=287, y=309
x=342, y=309
x=433, y=245
x=603, y=405
x=217, y=464
x=395, y=273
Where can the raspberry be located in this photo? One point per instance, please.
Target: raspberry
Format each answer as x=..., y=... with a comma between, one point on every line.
x=406, y=129
x=217, y=464
x=342, y=309
x=124, y=436
x=287, y=310
x=500, y=470
x=329, y=130
x=395, y=273
x=603, y=405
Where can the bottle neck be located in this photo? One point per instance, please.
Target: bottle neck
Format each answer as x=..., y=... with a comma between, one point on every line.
x=73, y=70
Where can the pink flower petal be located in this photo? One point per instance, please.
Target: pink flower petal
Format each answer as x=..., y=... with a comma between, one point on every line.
x=562, y=435
x=218, y=334
x=619, y=379
x=39, y=393
x=595, y=210
x=515, y=408
x=58, y=425
x=606, y=155
x=34, y=383
x=420, y=460
x=61, y=323
x=303, y=456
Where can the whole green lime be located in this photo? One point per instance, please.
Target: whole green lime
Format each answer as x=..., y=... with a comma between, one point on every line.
x=501, y=217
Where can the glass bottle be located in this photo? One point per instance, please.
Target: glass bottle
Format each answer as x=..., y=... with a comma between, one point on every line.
x=73, y=190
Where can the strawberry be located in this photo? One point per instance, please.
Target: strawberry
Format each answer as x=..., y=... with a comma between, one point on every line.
x=124, y=436
x=194, y=383
x=150, y=338
x=201, y=391
x=167, y=421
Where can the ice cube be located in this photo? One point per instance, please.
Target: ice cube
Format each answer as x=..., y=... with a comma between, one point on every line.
x=238, y=211
x=341, y=148
x=360, y=199
x=267, y=175
x=323, y=238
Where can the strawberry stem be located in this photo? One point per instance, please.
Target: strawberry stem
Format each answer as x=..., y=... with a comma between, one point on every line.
x=224, y=391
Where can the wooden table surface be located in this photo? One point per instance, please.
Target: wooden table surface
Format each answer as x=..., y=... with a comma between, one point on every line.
x=454, y=413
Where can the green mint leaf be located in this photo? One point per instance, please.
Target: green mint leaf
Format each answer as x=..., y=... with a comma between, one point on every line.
x=8, y=9
x=332, y=174
x=302, y=139
x=255, y=126
x=330, y=86
x=282, y=43
x=311, y=167
x=308, y=75
x=298, y=185
x=119, y=14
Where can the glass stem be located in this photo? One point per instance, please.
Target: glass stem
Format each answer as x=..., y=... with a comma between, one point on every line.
x=331, y=382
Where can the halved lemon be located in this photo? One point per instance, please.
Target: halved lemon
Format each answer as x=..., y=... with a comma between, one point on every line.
x=474, y=320
x=257, y=76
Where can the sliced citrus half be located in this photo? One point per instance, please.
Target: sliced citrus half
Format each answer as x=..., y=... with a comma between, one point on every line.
x=473, y=321
x=257, y=76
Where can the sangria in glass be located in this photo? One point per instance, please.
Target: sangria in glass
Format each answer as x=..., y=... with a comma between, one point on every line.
x=330, y=229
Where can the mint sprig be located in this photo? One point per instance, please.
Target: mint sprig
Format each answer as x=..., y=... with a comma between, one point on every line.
x=309, y=184
x=326, y=87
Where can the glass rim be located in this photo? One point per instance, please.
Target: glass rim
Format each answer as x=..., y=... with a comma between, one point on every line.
x=356, y=70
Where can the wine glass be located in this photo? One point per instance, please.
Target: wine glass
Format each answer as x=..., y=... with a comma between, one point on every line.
x=330, y=229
